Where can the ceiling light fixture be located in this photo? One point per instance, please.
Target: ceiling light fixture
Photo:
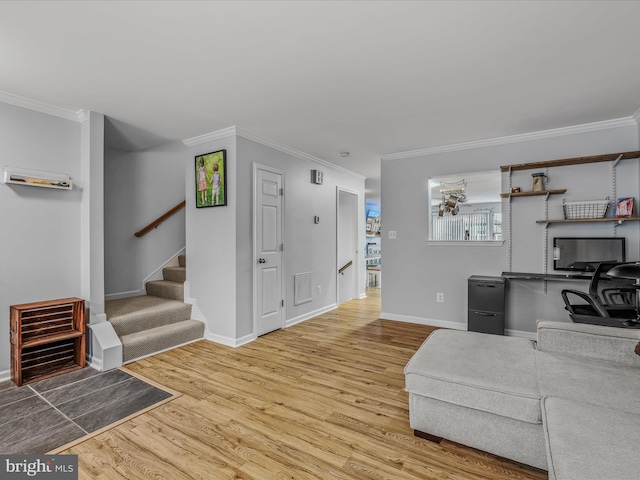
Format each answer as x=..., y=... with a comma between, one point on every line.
x=344, y=154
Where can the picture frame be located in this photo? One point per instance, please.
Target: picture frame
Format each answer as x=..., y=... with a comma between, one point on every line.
x=625, y=207
x=211, y=179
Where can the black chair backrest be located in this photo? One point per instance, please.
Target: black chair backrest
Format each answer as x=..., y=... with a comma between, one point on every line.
x=600, y=275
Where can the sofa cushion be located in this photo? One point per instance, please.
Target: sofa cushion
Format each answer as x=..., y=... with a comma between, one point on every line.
x=607, y=384
x=589, y=341
x=588, y=442
x=486, y=372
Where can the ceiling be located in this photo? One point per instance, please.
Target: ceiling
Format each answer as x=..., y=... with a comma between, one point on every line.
x=325, y=77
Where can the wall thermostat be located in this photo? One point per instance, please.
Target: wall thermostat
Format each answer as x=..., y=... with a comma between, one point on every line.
x=317, y=177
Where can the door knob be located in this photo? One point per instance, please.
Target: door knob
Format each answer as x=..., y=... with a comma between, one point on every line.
x=262, y=260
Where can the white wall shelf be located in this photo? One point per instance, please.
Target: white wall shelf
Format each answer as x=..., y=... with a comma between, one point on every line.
x=34, y=178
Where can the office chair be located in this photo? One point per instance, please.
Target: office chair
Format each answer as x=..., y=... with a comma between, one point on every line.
x=612, y=302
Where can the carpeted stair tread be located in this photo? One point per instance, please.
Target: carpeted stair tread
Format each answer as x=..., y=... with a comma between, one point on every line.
x=166, y=289
x=147, y=342
x=134, y=314
x=175, y=274
x=182, y=260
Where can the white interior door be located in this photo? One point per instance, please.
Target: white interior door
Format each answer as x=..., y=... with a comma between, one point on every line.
x=347, y=246
x=268, y=250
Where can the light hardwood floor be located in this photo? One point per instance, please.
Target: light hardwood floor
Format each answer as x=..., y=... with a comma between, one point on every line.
x=323, y=399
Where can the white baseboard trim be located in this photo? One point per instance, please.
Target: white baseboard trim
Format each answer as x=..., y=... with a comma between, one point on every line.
x=431, y=322
x=5, y=375
x=157, y=273
x=521, y=333
x=308, y=315
x=95, y=363
x=130, y=293
x=362, y=296
x=228, y=341
x=196, y=314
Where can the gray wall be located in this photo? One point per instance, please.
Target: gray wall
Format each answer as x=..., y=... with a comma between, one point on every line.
x=139, y=187
x=41, y=228
x=414, y=271
x=220, y=239
x=309, y=247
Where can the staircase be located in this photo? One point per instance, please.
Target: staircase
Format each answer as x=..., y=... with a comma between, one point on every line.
x=157, y=321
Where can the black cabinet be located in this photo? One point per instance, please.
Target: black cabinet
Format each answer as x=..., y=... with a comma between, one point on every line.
x=486, y=304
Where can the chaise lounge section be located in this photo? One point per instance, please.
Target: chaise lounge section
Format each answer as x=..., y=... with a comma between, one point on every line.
x=568, y=403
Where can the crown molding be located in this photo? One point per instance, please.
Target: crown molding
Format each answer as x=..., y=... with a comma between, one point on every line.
x=210, y=137
x=295, y=153
x=524, y=137
x=267, y=142
x=18, y=101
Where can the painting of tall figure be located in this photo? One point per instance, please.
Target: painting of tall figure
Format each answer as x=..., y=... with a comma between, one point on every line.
x=211, y=179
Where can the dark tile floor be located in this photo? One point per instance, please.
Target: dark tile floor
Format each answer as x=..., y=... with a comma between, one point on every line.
x=42, y=416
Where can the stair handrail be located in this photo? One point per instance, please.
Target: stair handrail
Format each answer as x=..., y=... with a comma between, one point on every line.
x=160, y=219
x=347, y=265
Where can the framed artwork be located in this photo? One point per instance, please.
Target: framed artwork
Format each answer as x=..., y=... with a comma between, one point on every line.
x=624, y=207
x=211, y=179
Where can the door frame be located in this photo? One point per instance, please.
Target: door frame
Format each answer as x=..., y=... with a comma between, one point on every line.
x=268, y=168
x=356, y=262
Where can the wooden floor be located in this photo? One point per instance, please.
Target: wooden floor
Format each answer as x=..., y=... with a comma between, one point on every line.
x=323, y=399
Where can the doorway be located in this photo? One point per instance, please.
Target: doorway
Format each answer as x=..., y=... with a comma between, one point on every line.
x=347, y=245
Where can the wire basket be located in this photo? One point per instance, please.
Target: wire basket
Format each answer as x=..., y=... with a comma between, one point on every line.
x=585, y=209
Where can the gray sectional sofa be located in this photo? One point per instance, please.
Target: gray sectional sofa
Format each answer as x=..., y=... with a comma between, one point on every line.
x=568, y=403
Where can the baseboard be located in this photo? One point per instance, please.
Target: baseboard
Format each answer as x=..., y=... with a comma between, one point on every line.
x=157, y=273
x=362, y=296
x=228, y=341
x=95, y=363
x=196, y=314
x=5, y=375
x=521, y=333
x=130, y=293
x=308, y=315
x=431, y=322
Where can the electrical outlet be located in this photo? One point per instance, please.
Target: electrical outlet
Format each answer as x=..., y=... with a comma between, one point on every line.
x=440, y=297
x=392, y=234
x=319, y=289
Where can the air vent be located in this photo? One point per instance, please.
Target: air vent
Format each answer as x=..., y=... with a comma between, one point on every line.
x=302, y=288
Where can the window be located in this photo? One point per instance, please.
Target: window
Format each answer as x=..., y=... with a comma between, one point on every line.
x=465, y=208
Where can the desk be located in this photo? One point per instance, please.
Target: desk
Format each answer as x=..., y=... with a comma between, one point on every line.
x=570, y=277
x=625, y=311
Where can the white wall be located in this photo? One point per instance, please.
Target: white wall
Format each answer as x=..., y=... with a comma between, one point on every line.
x=220, y=239
x=41, y=228
x=139, y=187
x=309, y=247
x=211, y=247
x=415, y=271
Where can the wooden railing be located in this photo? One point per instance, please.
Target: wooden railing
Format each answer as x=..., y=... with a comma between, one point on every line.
x=347, y=265
x=160, y=219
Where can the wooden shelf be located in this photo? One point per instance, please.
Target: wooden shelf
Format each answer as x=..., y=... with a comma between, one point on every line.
x=51, y=338
x=532, y=194
x=609, y=157
x=593, y=220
